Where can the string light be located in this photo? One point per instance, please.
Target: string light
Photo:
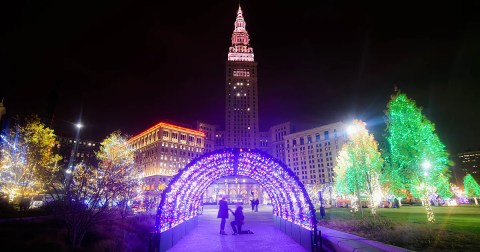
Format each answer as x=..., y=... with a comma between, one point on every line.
x=418, y=160
x=182, y=197
x=472, y=189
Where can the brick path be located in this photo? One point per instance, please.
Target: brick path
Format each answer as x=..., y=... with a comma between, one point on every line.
x=266, y=237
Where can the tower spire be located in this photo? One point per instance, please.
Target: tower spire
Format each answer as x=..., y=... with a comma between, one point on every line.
x=240, y=49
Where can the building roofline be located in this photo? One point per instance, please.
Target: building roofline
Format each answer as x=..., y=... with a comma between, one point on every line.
x=168, y=126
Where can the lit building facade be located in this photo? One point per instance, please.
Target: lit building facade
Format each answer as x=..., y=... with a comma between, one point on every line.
x=209, y=130
x=220, y=140
x=237, y=189
x=263, y=141
x=276, y=142
x=469, y=163
x=84, y=153
x=162, y=150
x=241, y=92
x=311, y=154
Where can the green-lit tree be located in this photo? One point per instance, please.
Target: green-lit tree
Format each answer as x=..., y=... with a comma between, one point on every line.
x=359, y=164
x=472, y=189
x=417, y=160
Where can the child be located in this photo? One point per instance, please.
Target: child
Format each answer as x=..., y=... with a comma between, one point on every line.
x=238, y=222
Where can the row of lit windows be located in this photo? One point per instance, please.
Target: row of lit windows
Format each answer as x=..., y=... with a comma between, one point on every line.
x=183, y=138
x=326, y=136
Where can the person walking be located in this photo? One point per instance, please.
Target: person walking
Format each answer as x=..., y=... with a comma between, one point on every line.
x=252, y=202
x=257, y=202
x=223, y=213
x=239, y=221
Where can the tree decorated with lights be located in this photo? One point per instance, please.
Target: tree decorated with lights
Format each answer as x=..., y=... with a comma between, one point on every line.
x=417, y=158
x=313, y=192
x=472, y=189
x=390, y=179
x=116, y=158
x=93, y=193
x=27, y=159
x=359, y=165
x=15, y=178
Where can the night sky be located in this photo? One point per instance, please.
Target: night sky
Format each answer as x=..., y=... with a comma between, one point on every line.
x=130, y=64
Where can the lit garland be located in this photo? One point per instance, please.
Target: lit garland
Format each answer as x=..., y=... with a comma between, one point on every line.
x=182, y=197
x=413, y=143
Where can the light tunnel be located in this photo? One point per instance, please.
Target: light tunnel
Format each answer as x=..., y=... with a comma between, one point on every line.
x=181, y=199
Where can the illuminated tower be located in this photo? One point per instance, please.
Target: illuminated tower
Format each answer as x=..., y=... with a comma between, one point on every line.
x=241, y=95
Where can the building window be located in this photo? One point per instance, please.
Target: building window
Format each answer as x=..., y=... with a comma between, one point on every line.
x=302, y=141
x=325, y=134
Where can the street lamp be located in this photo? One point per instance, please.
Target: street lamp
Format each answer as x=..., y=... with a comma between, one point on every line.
x=426, y=166
x=78, y=125
x=352, y=129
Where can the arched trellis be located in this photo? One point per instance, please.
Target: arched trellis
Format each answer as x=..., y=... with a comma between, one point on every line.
x=182, y=197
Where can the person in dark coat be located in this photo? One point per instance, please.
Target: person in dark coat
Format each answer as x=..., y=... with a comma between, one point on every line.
x=257, y=202
x=322, y=211
x=252, y=202
x=223, y=213
x=239, y=221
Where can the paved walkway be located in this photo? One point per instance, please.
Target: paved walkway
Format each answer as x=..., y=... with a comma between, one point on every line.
x=266, y=237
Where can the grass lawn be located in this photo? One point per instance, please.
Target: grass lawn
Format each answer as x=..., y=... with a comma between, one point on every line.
x=455, y=229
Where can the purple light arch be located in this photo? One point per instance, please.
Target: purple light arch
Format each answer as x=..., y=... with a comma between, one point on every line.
x=181, y=198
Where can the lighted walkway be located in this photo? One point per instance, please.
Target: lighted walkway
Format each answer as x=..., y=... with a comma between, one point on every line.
x=266, y=237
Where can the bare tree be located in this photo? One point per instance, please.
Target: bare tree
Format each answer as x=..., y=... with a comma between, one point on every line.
x=94, y=194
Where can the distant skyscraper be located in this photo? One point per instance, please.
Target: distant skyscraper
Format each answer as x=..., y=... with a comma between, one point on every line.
x=85, y=150
x=469, y=163
x=241, y=94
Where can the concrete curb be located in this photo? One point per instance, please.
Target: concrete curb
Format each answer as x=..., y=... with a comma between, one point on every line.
x=344, y=242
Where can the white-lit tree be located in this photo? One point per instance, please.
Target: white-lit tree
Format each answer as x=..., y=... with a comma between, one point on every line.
x=27, y=159
x=359, y=165
x=94, y=193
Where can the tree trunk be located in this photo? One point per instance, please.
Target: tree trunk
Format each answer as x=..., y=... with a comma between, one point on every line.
x=359, y=201
x=476, y=202
x=373, y=206
x=428, y=208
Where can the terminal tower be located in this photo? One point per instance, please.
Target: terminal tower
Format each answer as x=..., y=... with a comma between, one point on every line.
x=241, y=92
